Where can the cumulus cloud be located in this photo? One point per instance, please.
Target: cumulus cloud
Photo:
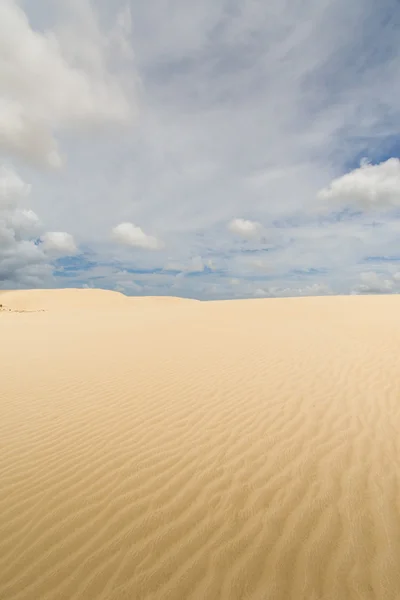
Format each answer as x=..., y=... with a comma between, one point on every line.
x=315, y=289
x=245, y=229
x=129, y=234
x=258, y=263
x=197, y=264
x=261, y=293
x=25, y=221
x=12, y=188
x=368, y=187
x=375, y=283
x=23, y=261
x=58, y=243
x=43, y=88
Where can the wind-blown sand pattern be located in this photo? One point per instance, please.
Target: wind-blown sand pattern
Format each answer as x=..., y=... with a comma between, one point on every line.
x=172, y=449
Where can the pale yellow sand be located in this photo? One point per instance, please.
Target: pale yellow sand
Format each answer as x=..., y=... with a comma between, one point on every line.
x=166, y=449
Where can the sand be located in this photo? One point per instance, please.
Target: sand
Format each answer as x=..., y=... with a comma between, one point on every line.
x=171, y=449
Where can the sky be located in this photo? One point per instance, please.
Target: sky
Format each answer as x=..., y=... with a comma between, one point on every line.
x=210, y=150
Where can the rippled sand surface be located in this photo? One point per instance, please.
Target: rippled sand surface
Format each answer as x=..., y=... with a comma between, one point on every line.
x=166, y=449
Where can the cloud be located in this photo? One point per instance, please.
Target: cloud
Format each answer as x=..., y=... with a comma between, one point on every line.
x=129, y=234
x=59, y=243
x=244, y=228
x=23, y=261
x=316, y=289
x=196, y=264
x=44, y=88
x=261, y=293
x=243, y=109
x=375, y=283
x=368, y=187
x=259, y=262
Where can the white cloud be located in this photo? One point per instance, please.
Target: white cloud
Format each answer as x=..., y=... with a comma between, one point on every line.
x=196, y=264
x=44, y=89
x=260, y=293
x=243, y=110
x=244, y=228
x=125, y=283
x=396, y=277
x=12, y=188
x=368, y=187
x=375, y=283
x=59, y=243
x=23, y=262
x=121, y=33
x=258, y=263
x=174, y=266
x=129, y=234
x=25, y=221
x=315, y=289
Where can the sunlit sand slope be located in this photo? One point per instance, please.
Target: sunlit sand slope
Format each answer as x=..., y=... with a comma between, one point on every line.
x=177, y=450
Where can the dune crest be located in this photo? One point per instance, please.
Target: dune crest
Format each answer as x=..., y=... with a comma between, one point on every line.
x=244, y=450
x=77, y=298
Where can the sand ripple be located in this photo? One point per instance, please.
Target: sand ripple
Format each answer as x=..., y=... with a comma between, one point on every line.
x=180, y=450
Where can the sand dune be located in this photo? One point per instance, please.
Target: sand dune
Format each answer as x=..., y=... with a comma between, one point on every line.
x=172, y=450
x=71, y=299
